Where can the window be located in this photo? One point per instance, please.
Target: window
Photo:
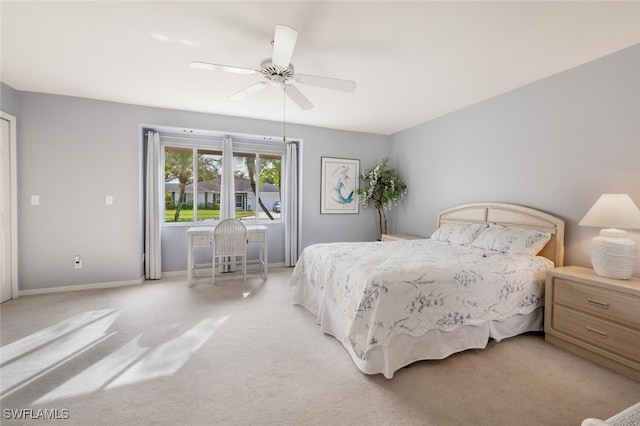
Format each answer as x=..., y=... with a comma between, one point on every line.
x=257, y=180
x=193, y=178
x=207, y=190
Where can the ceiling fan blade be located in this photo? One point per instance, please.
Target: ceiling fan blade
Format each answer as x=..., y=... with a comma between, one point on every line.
x=245, y=93
x=283, y=45
x=326, y=82
x=297, y=97
x=225, y=68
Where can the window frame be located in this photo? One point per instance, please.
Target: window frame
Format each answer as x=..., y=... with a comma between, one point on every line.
x=241, y=146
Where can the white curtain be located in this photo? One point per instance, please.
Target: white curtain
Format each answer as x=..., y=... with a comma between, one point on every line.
x=153, y=207
x=227, y=195
x=227, y=190
x=290, y=210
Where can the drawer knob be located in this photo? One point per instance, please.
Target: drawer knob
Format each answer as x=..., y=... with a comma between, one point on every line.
x=603, y=305
x=598, y=332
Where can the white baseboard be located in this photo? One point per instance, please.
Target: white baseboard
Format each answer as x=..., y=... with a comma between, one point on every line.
x=200, y=272
x=92, y=286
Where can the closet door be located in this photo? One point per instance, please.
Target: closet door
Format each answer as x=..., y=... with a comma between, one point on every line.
x=8, y=260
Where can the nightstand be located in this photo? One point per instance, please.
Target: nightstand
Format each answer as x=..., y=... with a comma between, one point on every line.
x=396, y=237
x=594, y=317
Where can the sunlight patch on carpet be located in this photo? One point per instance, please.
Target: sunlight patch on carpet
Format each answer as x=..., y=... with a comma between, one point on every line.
x=134, y=363
x=30, y=358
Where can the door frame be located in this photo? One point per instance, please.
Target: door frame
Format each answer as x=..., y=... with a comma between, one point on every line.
x=13, y=200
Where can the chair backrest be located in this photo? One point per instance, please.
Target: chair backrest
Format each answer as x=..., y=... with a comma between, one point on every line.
x=230, y=238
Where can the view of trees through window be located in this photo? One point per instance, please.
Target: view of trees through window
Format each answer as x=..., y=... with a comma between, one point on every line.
x=193, y=178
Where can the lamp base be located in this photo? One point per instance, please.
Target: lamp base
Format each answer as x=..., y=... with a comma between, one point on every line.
x=614, y=257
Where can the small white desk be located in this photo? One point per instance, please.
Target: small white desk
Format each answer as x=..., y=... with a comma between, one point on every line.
x=201, y=236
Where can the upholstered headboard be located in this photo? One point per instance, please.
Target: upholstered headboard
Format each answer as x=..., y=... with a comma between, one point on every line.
x=514, y=216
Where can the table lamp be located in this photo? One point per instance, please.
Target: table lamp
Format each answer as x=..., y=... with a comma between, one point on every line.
x=613, y=255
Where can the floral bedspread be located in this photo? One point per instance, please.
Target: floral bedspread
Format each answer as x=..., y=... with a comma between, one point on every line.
x=412, y=286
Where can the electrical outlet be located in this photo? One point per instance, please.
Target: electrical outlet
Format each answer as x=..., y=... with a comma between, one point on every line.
x=77, y=262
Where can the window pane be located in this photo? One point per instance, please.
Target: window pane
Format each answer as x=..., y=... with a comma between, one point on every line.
x=208, y=189
x=269, y=188
x=178, y=178
x=244, y=167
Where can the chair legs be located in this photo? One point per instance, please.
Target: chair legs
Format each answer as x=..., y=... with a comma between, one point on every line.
x=244, y=267
x=213, y=271
x=213, y=268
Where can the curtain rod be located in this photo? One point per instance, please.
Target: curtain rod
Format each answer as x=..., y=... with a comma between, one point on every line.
x=221, y=138
x=191, y=138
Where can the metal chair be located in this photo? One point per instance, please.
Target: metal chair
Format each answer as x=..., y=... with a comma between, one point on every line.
x=229, y=240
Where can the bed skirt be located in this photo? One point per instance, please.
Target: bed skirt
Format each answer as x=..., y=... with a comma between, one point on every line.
x=405, y=349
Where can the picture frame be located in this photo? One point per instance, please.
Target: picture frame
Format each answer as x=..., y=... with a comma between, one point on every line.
x=340, y=180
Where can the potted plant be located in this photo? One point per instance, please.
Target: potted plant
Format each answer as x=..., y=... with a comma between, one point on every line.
x=381, y=186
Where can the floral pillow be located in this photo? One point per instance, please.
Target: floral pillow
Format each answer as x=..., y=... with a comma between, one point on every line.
x=511, y=240
x=458, y=233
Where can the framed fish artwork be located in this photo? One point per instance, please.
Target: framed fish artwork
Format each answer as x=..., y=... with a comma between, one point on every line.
x=339, y=181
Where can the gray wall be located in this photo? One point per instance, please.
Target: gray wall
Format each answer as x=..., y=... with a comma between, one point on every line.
x=555, y=145
x=8, y=99
x=72, y=152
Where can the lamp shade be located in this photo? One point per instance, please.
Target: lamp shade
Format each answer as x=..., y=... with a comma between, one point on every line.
x=613, y=211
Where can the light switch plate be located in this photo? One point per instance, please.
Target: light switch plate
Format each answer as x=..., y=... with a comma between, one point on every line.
x=109, y=200
x=35, y=200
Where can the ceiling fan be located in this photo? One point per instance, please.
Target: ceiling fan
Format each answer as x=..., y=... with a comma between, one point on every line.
x=278, y=71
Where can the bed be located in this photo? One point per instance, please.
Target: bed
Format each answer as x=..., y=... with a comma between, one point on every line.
x=480, y=276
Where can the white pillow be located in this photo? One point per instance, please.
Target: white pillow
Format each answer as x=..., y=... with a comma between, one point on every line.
x=511, y=240
x=458, y=233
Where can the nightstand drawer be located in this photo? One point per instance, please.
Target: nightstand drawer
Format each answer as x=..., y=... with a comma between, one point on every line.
x=611, y=337
x=603, y=303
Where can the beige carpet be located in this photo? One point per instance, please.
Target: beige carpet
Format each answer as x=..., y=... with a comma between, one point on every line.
x=241, y=353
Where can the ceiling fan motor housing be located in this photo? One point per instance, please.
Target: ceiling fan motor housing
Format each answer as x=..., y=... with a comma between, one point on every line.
x=276, y=74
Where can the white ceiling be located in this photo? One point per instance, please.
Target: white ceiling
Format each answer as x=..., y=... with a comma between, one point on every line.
x=413, y=61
